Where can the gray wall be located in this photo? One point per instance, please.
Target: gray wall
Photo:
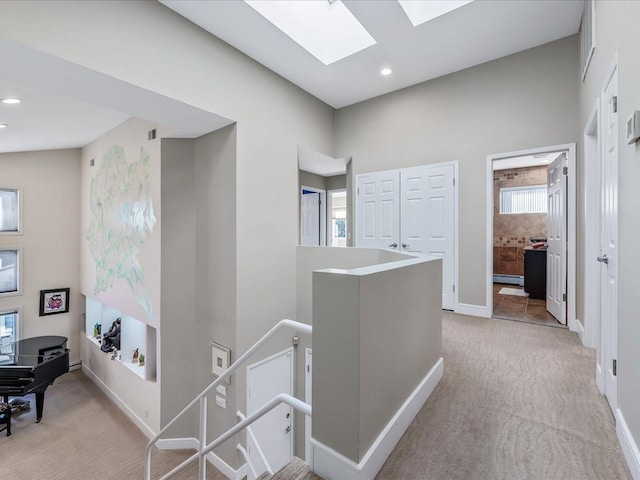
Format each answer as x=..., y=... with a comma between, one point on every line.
x=518, y=102
x=336, y=182
x=616, y=30
x=309, y=179
x=178, y=286
x=376, y=334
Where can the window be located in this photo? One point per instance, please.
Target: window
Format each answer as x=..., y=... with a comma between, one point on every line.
x=8, y=331
x=530, y=199
x=587, y=36
x=9, y=272
x=9, y=211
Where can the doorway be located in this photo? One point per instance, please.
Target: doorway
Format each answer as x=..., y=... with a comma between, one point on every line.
x=531, y=236
x=337, y=221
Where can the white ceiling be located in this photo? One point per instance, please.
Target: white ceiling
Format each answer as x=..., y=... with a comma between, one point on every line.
x=67, y=106
x=525, y=161
x=320, y=164
x=476, y=33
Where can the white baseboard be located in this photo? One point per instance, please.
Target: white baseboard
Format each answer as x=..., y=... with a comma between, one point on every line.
x=628, y=444
x=472, y=310
x=599, y=379
x=332, y=465
x=119, y=402
x=212, y=458
x=576, y=326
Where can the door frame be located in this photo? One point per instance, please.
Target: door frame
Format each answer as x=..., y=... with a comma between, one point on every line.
x=570, y=148
x=592, y=144
x=608, y=348
x=292, y=354
x=457, y=307
x=323, y=213
x=308, y=372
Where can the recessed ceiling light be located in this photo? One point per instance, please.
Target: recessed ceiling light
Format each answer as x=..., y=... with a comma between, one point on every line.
x=11, y=101
x=3, y=125
x=327, y=30
x=385, y=71
x=420, y=11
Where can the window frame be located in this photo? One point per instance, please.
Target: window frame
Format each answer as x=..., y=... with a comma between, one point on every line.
x=18, y=272
x=520, y=188
x=19, y=215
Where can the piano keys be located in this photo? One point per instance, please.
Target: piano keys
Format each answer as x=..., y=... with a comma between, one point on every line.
x=31, y=365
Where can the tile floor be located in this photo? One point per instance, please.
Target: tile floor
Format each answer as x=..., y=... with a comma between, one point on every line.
x=521, y=309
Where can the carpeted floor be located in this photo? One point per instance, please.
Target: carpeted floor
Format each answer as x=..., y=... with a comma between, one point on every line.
x=517, y=401
x=82, y=436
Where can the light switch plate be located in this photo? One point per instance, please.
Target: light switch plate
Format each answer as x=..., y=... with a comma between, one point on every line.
x=222, y=390
x=221, y=402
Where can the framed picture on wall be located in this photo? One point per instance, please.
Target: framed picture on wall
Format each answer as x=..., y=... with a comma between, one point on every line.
x=54, y=301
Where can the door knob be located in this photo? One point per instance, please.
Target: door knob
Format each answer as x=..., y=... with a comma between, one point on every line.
x=405, y=245
x=393, y=245
x=604, y=259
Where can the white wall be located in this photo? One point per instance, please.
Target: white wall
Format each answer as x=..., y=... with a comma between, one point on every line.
x=518, y=102
x=616, y=31
x=50, y=239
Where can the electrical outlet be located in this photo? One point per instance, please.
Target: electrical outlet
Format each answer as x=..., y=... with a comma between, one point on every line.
x=221, y=402
x=222, y=390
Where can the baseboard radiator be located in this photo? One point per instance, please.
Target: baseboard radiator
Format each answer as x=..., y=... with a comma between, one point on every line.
x=509, y=279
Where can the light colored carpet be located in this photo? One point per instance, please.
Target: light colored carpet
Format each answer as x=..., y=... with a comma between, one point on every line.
x=517, y=401
x=517, y=292
x=82, y=436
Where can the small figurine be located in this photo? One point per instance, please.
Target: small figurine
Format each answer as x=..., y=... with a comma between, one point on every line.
x=141, y=359
x=135, y=356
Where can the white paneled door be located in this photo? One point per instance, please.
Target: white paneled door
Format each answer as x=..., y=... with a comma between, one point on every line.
x=378, y=210
x=609, y=241
x=310, y=218
x=557, y=238
x=410, y=210
x=427, y=219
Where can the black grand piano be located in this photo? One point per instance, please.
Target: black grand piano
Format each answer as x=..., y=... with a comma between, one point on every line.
x=31, y=365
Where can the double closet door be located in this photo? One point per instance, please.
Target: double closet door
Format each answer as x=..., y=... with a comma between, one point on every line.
x=410, y=210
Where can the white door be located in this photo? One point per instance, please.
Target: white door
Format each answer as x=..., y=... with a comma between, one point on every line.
x=310, y=218
x=609, y=240
x=427, y=224
x=378, y=210
x=274, y=431
x=557, y=238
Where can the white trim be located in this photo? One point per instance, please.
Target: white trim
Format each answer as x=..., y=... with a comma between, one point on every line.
x=331, y=465
x=579, y=330
x=570, y=148
x=473, y=310
x=193, y=444
x=592, y=156
x=323, y=213
x=308, y=372
x=119, y=402
x=628, y=444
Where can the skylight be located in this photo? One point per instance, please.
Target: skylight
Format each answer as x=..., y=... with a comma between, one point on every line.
x=420, y=11
x=327, y=30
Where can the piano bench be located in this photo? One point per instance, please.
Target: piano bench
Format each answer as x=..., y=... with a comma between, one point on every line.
x=5, y=417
